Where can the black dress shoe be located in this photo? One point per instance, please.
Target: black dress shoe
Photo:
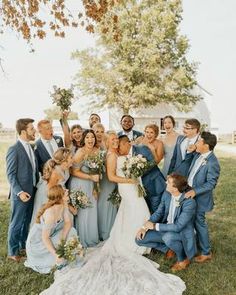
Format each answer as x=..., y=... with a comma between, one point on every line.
x=154, y=251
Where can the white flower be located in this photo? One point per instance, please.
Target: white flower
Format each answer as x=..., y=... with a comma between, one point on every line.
x=204, y=162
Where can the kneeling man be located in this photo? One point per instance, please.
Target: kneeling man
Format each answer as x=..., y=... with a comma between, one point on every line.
x=170, y=228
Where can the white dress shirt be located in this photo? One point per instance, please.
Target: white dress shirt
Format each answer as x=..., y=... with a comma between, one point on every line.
x=129, y=134
x=173, y=205
x=53, y=145
x=185, y=143
x=196, y=166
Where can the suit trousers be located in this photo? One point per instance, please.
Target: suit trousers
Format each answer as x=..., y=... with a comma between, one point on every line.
x=21, y=213
x=163, y=241
x=202, y=234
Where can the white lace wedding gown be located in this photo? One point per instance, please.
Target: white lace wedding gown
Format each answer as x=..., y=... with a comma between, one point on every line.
x=118, y=268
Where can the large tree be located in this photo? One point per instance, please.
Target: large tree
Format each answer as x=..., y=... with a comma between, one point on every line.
x=146, y=65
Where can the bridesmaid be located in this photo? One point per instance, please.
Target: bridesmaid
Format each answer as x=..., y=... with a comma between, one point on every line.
x=106, y=210
x=52, y=224
x=73, y=135
x=149, y=139
x=99, y=131
x=55, y=171
x=169, y=142
x=86, y=221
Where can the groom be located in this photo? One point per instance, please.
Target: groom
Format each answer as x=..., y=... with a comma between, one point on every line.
x=170, y=229
x=153, y=180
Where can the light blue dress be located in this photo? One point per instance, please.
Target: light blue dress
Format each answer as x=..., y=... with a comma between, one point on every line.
x=38, y=256
x=86, y=220
x=168, y=153
x=41, y=194
x=106, y=210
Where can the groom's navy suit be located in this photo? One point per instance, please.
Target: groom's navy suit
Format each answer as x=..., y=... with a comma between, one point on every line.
x=21, y=178
x=178, y=236
x=41, y=152
x=179, y=164
x=204, y=181
x=153, y=181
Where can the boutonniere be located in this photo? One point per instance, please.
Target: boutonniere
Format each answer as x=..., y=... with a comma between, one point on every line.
x=58, y=140
x=204, y=162
x=177, y=203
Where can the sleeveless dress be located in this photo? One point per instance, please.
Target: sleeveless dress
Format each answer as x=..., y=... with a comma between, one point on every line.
x=106, y=210
x=118, y=268
x=41, y=194
x=38, y=256
x=168, y=153
x=86, y=220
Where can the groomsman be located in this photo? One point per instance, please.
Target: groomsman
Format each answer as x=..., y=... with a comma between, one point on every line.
x=184, y=150
x=127, y=124
x=94, y=119
x=170, y=228
x=22, y=173
x=203, y=175
x=153, y=180
x=47, y=144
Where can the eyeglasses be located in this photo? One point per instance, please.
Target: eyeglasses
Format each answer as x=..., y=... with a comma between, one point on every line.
x=188, y=128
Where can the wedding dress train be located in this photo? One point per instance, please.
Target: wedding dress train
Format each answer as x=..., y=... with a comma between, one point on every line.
x=118, y=268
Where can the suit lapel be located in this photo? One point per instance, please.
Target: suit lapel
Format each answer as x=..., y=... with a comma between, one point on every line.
x=177, y=209
x=206, y=160
x=43, y=148
x=21, y=147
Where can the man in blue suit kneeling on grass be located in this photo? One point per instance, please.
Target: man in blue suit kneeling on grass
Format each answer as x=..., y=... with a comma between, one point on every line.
x=170, y=228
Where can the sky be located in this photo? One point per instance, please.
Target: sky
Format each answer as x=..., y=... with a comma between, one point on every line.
x=210, y=26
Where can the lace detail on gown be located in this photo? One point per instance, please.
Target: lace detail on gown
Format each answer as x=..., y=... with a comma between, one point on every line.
x=117, y=268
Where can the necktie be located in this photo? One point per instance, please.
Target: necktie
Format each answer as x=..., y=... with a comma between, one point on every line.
x=51, y=151
x=32, y=161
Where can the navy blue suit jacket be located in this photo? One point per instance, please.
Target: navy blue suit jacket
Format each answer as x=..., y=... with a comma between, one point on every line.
x=41, y=152
x=136, y=134
x=178, y=164
x=204, y=182
x=183, y=221
x=153, y=181
x=19, y=170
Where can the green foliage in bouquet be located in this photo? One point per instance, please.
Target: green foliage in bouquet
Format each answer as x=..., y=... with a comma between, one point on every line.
x=79, y=199
x=62, y=97
x=115, y=197
x=69, y=249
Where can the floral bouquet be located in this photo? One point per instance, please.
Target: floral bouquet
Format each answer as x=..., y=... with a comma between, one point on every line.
x=134, y=168
x=96, y=165
x=79, y=199
x=62, y=97
x=69, y=249
x=115, y=197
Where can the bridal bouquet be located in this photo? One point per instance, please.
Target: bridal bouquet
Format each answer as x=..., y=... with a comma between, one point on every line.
x=79, y=199
x=114, y=197
x=62, y=97
x=96, y=165
x=135, y=167
x=70, y=249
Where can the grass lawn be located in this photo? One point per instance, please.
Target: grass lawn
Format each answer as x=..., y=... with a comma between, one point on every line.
x=213, y=278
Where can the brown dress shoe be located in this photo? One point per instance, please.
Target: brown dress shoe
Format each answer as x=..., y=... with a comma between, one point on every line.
x=203, y=258
x=170, y=254
x=180, y=265
x=14, y=258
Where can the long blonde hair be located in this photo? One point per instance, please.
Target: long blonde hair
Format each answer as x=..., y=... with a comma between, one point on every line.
x=55, y=197
x=60, y=156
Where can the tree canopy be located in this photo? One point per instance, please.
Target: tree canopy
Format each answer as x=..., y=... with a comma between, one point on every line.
x=33, y=18
x=146, y=65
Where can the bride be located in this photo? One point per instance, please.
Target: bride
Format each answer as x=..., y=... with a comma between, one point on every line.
x=118, y=268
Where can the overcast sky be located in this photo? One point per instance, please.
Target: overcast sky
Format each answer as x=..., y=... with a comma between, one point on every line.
x=210, y=26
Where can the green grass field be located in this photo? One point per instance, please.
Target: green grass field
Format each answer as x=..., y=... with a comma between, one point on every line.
x=213, y=278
